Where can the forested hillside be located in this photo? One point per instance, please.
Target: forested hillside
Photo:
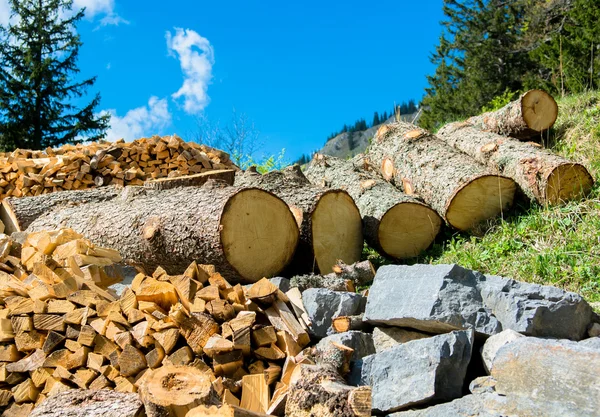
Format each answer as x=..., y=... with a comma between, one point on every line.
x=489, y=51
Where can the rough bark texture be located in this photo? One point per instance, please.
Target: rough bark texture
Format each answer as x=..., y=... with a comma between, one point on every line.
x=30, y=208
x=510, y=119
x=322, y=392
x=527, y=164
x=103, y=403
x=358, y=274
x=373, y=196
x=431, y=168
x=303, y=198
x=170, y=228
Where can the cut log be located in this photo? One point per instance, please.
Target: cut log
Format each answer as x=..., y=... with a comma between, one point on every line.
x=174, y=390
x=346, y=323
x=398, y=224
x=196, y=180
x=460, y=189
x=229, y=227
x=320, y=391
x=524, y=118
x=103, y=403
x=344, y=278
x=330, y=223
x=542, y=175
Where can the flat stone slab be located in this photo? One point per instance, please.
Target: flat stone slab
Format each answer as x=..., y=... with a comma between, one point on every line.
x=441, y=298
x=323, y=305
x=418, y=372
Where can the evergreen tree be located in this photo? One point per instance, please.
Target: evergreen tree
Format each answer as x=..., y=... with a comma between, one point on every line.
x=376, y=119
x=39, y=52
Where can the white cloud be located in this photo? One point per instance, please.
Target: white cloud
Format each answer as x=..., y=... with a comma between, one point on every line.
x=93, y=8
x=4, y=12
x=140, y=122
x=196, y=57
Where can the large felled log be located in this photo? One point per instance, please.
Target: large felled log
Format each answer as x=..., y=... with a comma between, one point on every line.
x=400, y=225
x=541, y=174
x=320, y=391
x=103, y=403
x=343, y=278
x=230, y=227
x=330, y=223
x=174, y=390
x=223, y=411
x=524, y=118
x=460, y=189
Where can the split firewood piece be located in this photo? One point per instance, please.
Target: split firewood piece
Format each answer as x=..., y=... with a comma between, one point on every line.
x=525, y=118
x=30, y=363
x=397, y=223
x=243, y=320
x=255, y=393
x=226, y=410
x=332, y=389
x=264, y=336
x=131, y=361
x=295, y=297
x=462, y=191
x=9, y=353
x=343, y=278
x=270, y=353
x=283, y=319
x=542, y=175
x=330, y=222
x=19, y=410
x=343, y=324
x=167, y=339
x=196, y=180
x=287, y=344
x=196, y=329
x=241, y=225
x=90, y=403
x=263, y=292
x=217, y=345
x=160, y=292
x=228, y=363
x=25, y=392
x=186, y=289
x=174, y=390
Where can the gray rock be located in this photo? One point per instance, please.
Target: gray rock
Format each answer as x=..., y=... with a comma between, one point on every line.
x=495, y=342
x=322, y=305
x=594, y=330
x=536, y=310
x=482, y=385
x=418, y=372
x=439, y=298
x=387, y=337
x=282, y=283
x=592, y=342
x=550, y=371
x=493, y=405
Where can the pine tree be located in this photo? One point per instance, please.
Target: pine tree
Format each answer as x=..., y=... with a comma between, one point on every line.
x=376, y=120
x=39, y=52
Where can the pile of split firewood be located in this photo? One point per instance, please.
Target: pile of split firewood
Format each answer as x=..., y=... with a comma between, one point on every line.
x=78, y=167
x=62, y=329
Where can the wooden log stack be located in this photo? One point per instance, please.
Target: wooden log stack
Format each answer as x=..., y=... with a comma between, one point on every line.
x=184, y=342
x=78, y=167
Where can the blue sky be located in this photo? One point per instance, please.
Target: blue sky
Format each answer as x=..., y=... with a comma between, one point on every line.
x=300, y=70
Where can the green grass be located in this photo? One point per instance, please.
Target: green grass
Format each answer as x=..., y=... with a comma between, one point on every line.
x=558, y=246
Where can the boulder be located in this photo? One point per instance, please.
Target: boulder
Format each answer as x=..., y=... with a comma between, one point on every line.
x=322, y=305
x=550, y=371
x=493, y=405
x=418, y=372
x=387, y=337
x=594, y=330
x=440, y=298
x=491, y=346
x=282, y=283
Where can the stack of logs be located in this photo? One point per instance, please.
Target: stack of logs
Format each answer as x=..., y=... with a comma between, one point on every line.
x=78, y=167
x=183, y=342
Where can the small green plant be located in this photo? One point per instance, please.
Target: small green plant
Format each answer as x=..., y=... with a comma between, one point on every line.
x=500, y=101
x=266, y=163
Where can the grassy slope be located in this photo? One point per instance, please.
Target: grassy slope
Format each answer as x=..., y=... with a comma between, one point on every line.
x=557, y=245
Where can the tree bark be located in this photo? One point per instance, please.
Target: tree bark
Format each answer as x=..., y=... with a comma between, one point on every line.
x=231, y=228
x=321, y=392
x=542, y=175
x=30, y=208
x=196, y=180
x=103, y=403
x=329, y=221
x=524, y=118
x=460, y=189
x=397, y=224
x=344, y=278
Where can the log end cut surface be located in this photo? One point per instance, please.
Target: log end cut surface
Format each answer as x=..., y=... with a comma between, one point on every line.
x=482, y=198
x=177, y=386
x=407, y=229
x=568, y=182
x=539, y=110
x=255, y=224
x=336, y=230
